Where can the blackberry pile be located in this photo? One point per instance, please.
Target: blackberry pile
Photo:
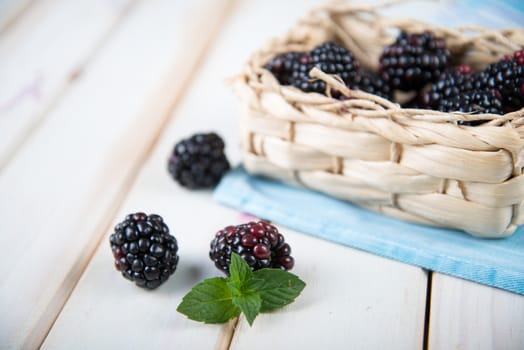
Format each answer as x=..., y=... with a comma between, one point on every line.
x=199, y=161
x=258, y=243
x=143, y=249
x=418, y=62
x=414, y=60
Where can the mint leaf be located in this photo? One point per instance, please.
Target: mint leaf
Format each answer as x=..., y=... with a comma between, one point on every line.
x=209, y=301
x=239, y=270
x=250, y=304
x=280, y=288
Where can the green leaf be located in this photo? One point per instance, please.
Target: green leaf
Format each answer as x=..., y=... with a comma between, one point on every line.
x=210, y=301
x=250, y=304
x=280, y=288
x=239, y=270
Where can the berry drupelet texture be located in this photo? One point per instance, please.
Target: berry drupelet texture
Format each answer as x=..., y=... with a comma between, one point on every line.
x=199, y=161
x=371, y=83
x=143, y=249
x=414, y=60
x=474, y=102
x=293, y=68
x=505, y=78
x=450, y=84
x=258, y=243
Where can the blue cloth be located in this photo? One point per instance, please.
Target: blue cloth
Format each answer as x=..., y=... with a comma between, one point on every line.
x=498, y=263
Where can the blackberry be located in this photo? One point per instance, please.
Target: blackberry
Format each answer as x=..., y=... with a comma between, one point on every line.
x=258, y=243
x=506, y=78
x=198, y=161
x=143, y=249
x=283, y=66
x=373, y=84
x=474, y=102
x=293, y=68
x=451, y=83
x=414, y=60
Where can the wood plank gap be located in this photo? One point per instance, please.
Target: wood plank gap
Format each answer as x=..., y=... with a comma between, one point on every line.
x=78, y=269
x=427, y=316
x=73, y=77
x=14, y=13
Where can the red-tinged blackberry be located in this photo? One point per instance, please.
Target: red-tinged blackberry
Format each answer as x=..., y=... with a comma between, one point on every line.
x=258, y=243
x=373, y=84
x=519, y=57
x=414, y=60
x=506, y=78
x=451, y=83
x=474, y=102
x=143, y=249
x=199, y=161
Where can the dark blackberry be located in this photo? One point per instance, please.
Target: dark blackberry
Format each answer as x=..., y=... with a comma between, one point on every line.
x=283, y=65
x=293, y=68
x=506, y=78
x=451, y=83
x=198, y=161
x=414, y=60
x=373, y=84
x=143, y=249
x=475, y=102
x=258, y=243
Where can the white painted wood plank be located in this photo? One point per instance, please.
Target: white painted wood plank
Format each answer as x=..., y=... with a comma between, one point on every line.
x=466, y=315
x=371, y=296
x=42, y=54
x=10, y=11
x=61, y=190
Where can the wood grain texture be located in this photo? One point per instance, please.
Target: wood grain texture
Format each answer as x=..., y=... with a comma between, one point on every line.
x=63, y=187
x=467, y=315
x=346, y=289
x=10, y=11
x=42, y=55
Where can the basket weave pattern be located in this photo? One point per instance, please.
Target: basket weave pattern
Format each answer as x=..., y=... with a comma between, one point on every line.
x=416, y=165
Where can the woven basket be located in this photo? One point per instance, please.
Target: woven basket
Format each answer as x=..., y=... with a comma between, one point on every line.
x=413, y=164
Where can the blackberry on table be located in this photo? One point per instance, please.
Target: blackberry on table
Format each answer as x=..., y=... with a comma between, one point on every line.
x=143, y=249
x=414, y=60
x=450, y=83
x=506, y=79
x=258, y=243
x=199, y=161
x=475, y=102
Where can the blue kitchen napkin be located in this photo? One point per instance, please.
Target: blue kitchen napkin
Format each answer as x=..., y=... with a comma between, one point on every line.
x=498, y=263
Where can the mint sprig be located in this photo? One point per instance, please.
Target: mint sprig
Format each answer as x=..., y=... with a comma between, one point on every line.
x=218, y=299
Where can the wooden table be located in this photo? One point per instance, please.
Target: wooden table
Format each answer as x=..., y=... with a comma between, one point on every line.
x=93, y=96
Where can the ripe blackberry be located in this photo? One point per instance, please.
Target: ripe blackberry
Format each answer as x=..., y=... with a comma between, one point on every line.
x=506, y=78
x=373, y=84
x=258, y=243
x=329, y=58
x=283, y=65
x=143, y=249
x=451, y=83
x=475, y=102
x=414, y=60
x=293, y=68
x=198, y=161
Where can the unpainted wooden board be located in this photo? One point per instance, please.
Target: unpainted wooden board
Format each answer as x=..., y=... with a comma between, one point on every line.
x=61, y=190
x=43, y=54
x=467, y=315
